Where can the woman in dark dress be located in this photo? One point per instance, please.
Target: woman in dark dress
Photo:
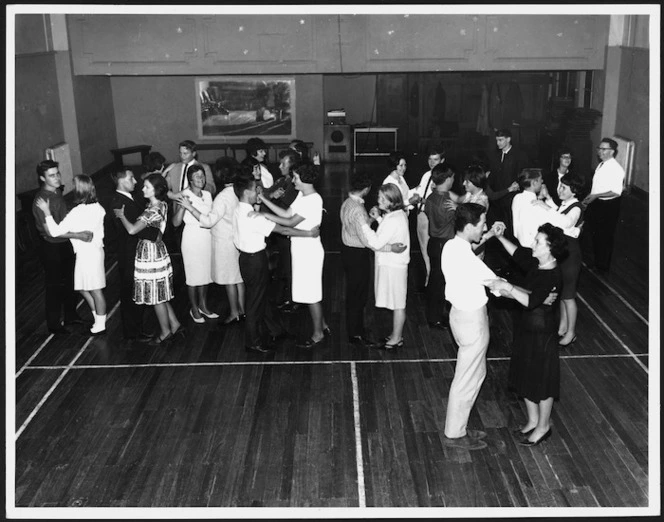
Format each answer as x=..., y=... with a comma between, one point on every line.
x=534, y=372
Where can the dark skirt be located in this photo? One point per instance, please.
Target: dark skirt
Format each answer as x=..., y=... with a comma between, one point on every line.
x=571, y=268
x=535, y=365
x=153, y=273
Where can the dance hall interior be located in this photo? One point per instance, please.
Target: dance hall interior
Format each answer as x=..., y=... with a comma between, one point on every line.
x=324, y=420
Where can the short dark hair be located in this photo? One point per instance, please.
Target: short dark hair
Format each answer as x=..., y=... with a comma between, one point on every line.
x=467, y=214
x=159, y=184
x=440, y=173
x=436, y=150
x=84, y=190
x=188, y=144
x=503, y=133
x=395, y=158
x=244, y=179
x=119, y=174
x=254, y=145
x=556, y=239
x=43, y=166
x=293, y=157
x=611, y=143
x=393, y=195
x=476, y=175
x=526, y=177
x=577, y=184
x=359, y=181
x=224, y=170
x=154, y=161
x=300, y=147
x=308, y=172
x=192, y=169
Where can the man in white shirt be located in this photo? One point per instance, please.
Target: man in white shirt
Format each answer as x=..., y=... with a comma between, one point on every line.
x=603, y=203
x=423, y=189
x=465, y=274
x=249, y=232
x=527, y=217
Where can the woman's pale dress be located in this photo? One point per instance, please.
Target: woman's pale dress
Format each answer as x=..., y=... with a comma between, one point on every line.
x=307, y=254
x=197, y=242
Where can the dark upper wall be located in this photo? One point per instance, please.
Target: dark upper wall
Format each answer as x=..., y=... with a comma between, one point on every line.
x=633, y=112
x=38, y=115
x=95, y=118
x=295, y=44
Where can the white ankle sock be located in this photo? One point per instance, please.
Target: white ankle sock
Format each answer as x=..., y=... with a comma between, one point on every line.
x=100, y=323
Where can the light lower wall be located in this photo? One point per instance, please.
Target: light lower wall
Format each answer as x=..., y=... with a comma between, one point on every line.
x=161, y=111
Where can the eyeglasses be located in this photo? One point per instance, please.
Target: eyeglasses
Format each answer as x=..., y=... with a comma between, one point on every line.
x=604, y=148
x=566, y=156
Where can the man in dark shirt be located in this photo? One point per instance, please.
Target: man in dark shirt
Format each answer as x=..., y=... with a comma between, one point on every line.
x=505, y=163
x=56, y=253
x=441, y=229
x=125, y=246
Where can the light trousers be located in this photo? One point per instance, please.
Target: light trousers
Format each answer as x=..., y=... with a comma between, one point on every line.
x=422, y=230
x=471, y=332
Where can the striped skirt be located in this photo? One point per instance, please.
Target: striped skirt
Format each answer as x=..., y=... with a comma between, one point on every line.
x=153, y=273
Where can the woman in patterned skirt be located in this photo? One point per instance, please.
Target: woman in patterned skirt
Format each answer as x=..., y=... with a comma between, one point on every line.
x=153, y=274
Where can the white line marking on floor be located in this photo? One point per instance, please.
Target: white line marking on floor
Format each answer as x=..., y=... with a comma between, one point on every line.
x=613, y=334
x=52, y=389
x=295, y=363
x=615, y=292
x=358, y=438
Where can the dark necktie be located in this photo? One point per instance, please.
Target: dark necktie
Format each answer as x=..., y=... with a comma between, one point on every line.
x=183, y=178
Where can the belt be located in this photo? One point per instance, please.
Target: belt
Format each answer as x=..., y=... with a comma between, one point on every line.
x=252, y=253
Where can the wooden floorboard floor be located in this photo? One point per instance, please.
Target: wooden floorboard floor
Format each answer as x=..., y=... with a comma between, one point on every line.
x=103, y=423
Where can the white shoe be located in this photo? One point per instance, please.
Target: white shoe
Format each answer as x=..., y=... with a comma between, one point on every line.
x=200, y=320
x=211, y=315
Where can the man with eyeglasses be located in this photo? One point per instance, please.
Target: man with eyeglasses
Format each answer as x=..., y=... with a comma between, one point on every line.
x=603, y=203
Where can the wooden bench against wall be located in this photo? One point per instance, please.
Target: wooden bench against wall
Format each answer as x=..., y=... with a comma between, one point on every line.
x=231, y=149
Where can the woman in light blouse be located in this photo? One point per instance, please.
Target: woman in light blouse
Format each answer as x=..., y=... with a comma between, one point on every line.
x=397, y=162
x=391, y=268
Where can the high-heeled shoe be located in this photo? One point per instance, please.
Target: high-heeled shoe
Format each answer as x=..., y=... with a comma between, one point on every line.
x=231, y=320
x=326, y=331
x=393, y=346
x=526, y=442
x=519, y=433
x=242, y=317
x=310, y=343
x=158, y=341
x=563, y=345
x=180, y=331
x=200, y=320
x=210, y=315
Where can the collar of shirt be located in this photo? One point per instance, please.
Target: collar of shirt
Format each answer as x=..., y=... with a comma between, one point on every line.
x=125, y=194
x=506, y=150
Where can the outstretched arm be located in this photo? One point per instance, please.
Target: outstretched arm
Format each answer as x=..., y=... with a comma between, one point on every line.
x=131, y=228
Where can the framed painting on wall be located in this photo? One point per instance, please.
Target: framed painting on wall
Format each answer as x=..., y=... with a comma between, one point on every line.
x=238, y=108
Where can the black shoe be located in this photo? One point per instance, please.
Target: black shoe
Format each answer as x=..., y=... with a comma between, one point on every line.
x=59, y=330
x=327, y=332
x=284, y=304
x=393, y=346
x=526, y=442
x=440, y=325
x=519, y=433
x=310, y=343
x=158, y=341
x=359, y=340
x=258, y=349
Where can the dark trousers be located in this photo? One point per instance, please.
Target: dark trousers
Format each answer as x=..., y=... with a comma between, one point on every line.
x=357, y=268
x=130, y=312
x=262, y=319
x=501, y=210
x=58, y=262
x=282, y=274
x=602, y=218
x=436, y=307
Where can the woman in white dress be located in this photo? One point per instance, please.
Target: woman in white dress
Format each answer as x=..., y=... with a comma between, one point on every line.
x=397, y=161
x=225, y=256
x=89, y=273
x=391, y=268
x=307, y=254
x=196, y=243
